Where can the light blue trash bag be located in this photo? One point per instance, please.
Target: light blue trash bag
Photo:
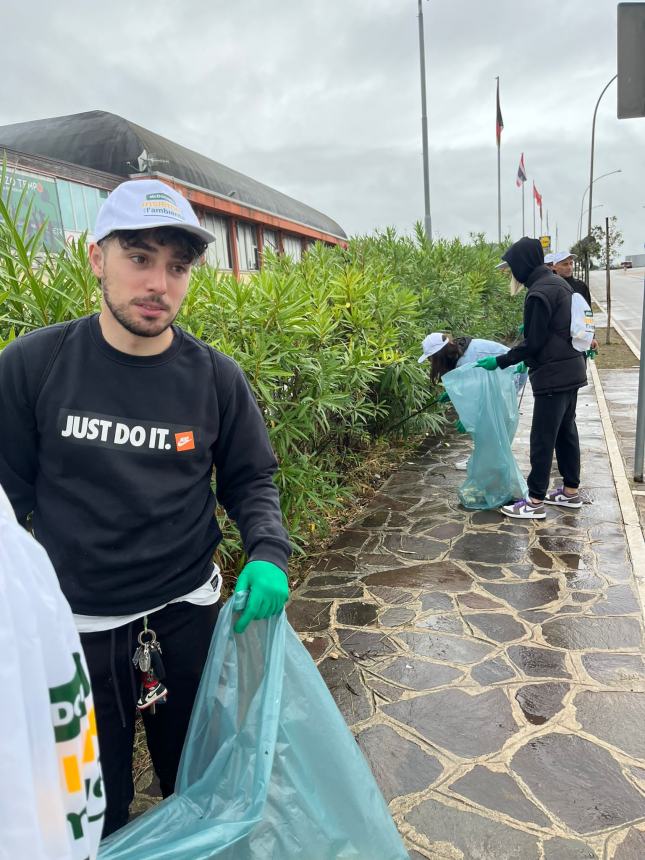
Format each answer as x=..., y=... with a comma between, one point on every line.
x=486, y=402
x=269, y=767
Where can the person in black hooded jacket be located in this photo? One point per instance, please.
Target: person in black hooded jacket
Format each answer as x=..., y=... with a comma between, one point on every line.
x=556, y=371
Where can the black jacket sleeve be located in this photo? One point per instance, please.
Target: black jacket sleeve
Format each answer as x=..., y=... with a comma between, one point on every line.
x=536, y=322
x=18, y=434
x=244, y=468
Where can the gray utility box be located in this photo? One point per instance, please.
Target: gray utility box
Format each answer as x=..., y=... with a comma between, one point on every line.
x=631, y=60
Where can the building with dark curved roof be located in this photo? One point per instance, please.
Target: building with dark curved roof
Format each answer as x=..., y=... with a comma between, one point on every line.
x=79, y=158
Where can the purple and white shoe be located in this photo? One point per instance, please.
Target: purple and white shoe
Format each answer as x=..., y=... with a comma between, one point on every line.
x=559, y=497
x=523, y=509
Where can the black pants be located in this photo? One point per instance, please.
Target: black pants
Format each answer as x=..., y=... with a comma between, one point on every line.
x=184, y=631
x=554, y=429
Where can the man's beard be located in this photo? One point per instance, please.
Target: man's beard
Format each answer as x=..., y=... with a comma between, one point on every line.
x=135, y=325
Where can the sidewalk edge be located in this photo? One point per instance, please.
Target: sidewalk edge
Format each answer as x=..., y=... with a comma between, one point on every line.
x=631, y=521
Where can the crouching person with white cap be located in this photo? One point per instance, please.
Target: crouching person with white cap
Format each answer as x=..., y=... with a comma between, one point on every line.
x=112, y=427
x=446, y=353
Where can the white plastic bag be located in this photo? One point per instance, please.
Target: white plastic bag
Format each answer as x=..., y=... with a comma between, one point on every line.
x=51, y=790
x=582, y=324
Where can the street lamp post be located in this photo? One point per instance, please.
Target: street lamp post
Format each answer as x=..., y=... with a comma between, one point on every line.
x=595, y=206
x=582, y=203
x=593, y=137
x=424, y=130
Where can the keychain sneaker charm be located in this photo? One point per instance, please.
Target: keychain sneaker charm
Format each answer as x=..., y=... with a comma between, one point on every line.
x=147, y=659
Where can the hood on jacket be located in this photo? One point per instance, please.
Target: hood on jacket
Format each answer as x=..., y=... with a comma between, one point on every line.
x=523, y=257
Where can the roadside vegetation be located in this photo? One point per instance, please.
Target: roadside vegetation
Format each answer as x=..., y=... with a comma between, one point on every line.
x=329, y=344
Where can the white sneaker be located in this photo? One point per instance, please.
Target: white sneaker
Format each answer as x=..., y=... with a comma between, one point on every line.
x=523, y=509
x=559, y=497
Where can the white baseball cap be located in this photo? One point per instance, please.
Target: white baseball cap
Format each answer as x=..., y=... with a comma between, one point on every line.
x=143, y=204
x=562, y=255
x=431, y=344
x=548, y=259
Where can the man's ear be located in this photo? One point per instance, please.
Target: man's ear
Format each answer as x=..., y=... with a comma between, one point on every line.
x=97, y=258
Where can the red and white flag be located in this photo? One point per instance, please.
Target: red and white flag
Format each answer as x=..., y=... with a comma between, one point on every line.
x=538, y=198
x=521, y=173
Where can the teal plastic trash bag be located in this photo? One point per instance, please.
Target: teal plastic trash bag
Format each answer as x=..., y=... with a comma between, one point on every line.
x=487, y=405
x=269, y=768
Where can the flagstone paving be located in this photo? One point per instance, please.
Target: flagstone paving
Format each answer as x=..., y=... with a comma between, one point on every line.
x=491, y=670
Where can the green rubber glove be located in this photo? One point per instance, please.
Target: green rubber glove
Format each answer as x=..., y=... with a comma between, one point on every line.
x=459, y=427
x=268, y=589
x=591, y=353
x=520, y=328
x=521, y=368
x=443, y=398
x=488, y=363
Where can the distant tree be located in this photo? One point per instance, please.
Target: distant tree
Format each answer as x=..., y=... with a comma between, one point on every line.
x=615, y=241
x=585, y=250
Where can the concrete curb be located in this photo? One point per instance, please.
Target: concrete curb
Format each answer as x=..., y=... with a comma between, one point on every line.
x=633, y=530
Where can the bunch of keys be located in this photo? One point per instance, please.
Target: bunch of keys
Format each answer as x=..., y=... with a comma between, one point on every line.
x=147, y=659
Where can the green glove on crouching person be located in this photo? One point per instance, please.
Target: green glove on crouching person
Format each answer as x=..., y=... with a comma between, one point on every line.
x=520, y=368
x=268, y=589
x=591, y=353
x=488, y=363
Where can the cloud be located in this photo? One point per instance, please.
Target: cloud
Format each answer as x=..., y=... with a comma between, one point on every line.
x=321, y=99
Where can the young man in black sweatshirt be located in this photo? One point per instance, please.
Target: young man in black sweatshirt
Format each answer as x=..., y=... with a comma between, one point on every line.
x=556, y=371
x=112, y=427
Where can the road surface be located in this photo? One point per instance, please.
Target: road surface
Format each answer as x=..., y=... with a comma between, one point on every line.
x=626, y=300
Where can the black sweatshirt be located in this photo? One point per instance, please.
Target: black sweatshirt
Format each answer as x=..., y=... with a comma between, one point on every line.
x=114, y=454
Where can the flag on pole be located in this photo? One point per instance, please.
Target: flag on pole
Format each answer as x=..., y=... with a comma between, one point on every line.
x=538, y=198
x=521, y=173
x=499, y=124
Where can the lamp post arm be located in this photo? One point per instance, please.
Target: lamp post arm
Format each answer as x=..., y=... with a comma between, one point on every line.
x=593, y=136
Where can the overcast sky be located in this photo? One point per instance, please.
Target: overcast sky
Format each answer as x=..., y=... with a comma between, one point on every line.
x=321, y=99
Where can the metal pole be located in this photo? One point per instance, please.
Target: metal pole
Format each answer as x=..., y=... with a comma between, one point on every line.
x=639, y=450
x=424, y=130
x=523, y=228
x=499, y=198
x=534, y=215
x=556, y=237
x=593, y=136
x=607, y=282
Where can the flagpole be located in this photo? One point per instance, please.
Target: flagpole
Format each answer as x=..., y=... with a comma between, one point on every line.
x=424, y=131
x=523, y=228
x=499, y=181
x=534, y=210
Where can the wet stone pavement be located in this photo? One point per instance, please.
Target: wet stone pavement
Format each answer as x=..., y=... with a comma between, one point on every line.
x=491, y=670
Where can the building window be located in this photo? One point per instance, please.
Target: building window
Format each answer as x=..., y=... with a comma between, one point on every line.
x=247, y=244
x=218, y=253
x=271, y=240
x=79, y=205
x=292, y=247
